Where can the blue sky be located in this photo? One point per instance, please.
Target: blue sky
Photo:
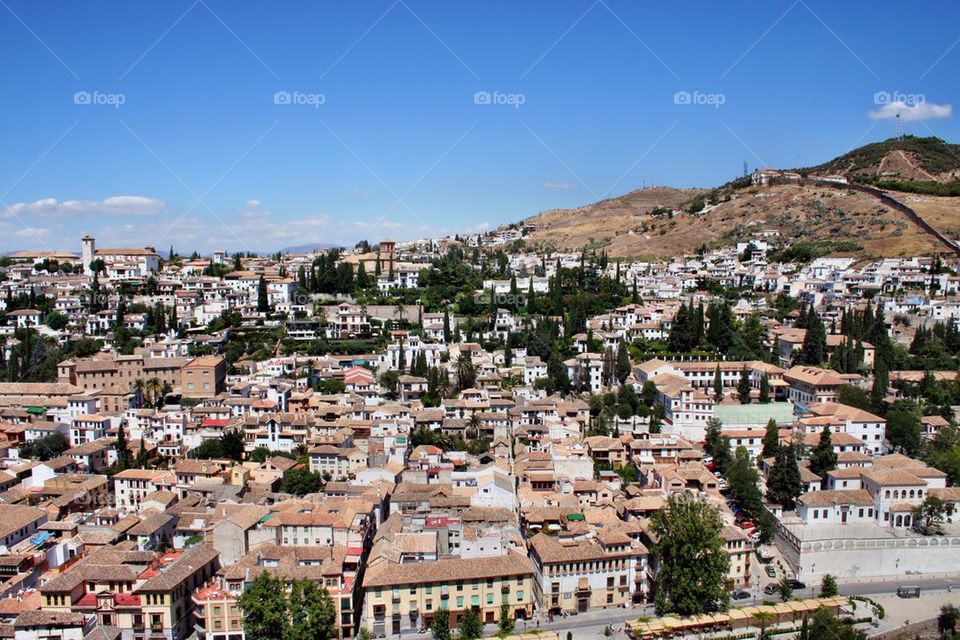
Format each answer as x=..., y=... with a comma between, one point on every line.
x=254, y=125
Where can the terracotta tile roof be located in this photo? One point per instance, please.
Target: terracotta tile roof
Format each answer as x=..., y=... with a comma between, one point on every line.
x=387, y=574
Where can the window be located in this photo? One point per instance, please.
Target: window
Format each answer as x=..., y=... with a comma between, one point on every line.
x=459, y=602
x=519, y=596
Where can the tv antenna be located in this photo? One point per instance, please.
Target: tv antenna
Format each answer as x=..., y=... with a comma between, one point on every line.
x=899, y=128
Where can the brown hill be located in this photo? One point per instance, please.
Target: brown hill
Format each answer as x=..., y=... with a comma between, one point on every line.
x=853, y=222
x=903, y=159
x=660, y=222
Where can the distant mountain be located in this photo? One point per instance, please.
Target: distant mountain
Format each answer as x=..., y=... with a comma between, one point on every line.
x=307, y=248
x=664, y=222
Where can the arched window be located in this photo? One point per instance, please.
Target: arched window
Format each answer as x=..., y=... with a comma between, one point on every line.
x=911, y=493
x=899, y=521
x=886, y=494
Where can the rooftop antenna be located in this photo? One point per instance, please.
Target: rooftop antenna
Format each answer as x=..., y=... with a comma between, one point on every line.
x=899, y=128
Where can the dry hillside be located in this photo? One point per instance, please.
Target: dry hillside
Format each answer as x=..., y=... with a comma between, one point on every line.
x=625, y=226
x=923, y=173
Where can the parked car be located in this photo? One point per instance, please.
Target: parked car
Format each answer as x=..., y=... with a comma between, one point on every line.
x=771, y=589
x=740, y=594
x=746, y=524
x=771, y=571
x=796, y=584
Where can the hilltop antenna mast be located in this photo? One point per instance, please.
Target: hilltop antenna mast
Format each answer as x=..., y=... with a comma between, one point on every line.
x=899, y=128
x=744, y=168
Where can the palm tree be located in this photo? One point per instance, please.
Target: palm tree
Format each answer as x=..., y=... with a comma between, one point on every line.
x=154, y=388
x=473, y=426
x=466, y=372
x=763, y=618
x=443, y=383
x=138, y=388
x=399, y=311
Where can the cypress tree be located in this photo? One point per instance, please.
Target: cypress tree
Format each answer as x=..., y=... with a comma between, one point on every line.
x=743, y=387
x=771, y=440
x=783, y=484
x=823, y=458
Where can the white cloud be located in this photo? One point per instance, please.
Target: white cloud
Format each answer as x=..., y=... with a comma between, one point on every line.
x=558, y=185
x=114, y=205
x=31, y=232
x=253, y=204
x=912, y=112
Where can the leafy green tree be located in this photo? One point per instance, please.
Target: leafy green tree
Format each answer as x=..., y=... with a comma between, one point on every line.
x=930, y=515
x=784, y=485
x=45, y=448
x=744, y=481
x=823, y=458
x=470, y=625
x=557, y=376
x=771, y=440
x=854, y=397
x=720, y=332
x=693, y=557
x=506, y=623
x=828, y=586
x=823, y=624
x=714, y=431
x=440, y=627
x=265, y=609
x=312, y=613
x=814, y=348
x=299, y=481
x=648, y=393
x=904, y=427
x=56, y=320
x=947, y=621
x=752, y=333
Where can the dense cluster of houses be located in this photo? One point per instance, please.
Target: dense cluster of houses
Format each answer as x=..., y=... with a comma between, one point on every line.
x=543, y=520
